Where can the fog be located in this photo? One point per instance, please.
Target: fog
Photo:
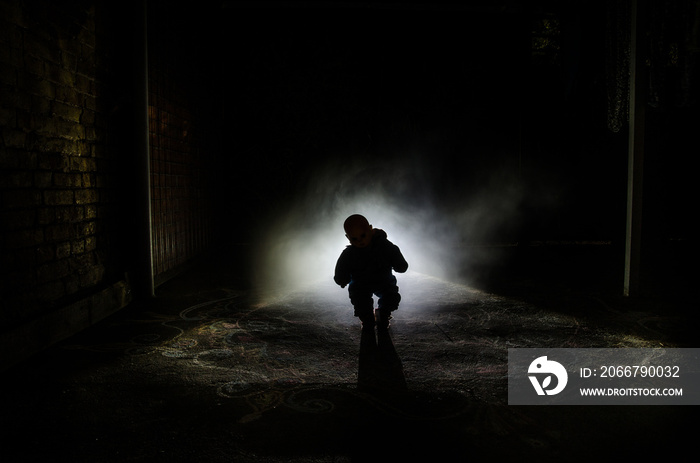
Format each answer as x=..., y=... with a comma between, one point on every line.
x=445, y=221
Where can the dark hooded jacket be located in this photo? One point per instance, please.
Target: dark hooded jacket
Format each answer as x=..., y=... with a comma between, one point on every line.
x=373, y=263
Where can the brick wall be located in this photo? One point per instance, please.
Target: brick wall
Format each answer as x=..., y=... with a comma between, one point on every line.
x=55, y=187
x=60, y=264
x=72, y=162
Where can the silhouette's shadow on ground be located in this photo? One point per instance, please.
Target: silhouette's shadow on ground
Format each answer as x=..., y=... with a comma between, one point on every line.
x=380, y=370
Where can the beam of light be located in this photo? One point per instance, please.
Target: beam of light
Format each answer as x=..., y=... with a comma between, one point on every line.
x=430, y=219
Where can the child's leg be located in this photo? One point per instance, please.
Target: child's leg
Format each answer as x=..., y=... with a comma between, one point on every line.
x=389, y=299
x=361, y=299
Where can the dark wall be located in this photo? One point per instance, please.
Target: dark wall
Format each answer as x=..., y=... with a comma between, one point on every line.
x=184, y=136
x=73, y=185
x=58, y=192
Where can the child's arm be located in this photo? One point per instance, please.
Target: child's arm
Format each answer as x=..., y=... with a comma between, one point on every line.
x=342, y=272
x=398, y=262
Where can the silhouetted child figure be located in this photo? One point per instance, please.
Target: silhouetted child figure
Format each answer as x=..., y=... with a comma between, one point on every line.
x=366, y=265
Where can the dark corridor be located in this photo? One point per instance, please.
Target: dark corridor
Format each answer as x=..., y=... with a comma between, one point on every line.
x=174, y=183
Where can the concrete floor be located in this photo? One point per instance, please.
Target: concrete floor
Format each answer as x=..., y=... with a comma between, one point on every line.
x=212, y=370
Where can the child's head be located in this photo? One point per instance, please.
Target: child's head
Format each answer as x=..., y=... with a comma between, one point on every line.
x=358, y=230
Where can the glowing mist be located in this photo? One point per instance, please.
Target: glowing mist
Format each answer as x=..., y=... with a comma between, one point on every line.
x=302, y=242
